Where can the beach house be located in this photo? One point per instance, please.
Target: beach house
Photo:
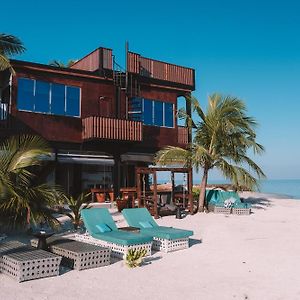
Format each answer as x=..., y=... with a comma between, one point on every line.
x=100, y=120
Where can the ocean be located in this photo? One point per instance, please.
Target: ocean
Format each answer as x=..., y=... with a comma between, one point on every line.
x=288, y=188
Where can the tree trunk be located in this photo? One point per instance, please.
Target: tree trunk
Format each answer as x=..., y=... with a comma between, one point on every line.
x=202, y=191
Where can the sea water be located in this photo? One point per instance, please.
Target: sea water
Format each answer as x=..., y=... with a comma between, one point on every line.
x=287, y=188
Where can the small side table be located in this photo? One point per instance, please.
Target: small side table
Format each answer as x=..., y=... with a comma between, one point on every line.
x=130, y=229
x=42, y=239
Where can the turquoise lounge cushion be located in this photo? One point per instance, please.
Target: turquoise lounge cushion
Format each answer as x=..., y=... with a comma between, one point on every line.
x=102, y=227
x=123, y=237
x=135, y=216
x=168, y=233
x=146, y=224
x=94, y=216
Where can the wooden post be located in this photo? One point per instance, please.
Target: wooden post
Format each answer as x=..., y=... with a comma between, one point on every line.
x=190, y=189
x=155, y=195
x=173, y=185
x=138, y=187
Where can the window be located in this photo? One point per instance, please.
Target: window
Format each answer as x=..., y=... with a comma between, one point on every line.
x=158, y=115
x=72, y=101
x=42, y=96
x=151, y=112
x=49, y=98
x=169, y=115
x=58, y=95
x=25, y=94
x=148, y=112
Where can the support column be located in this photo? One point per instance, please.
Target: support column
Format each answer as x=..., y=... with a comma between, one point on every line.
x=155, y=195
x=190, y=189
x=117, y=175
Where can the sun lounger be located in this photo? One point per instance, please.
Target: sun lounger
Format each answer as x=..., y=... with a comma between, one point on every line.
x=102, y=230
x=164, y=238
x=226, y=202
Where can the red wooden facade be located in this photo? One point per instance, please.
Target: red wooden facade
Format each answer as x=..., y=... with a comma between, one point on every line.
x=103, y=124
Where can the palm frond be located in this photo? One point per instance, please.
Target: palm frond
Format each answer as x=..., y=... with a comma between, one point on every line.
x=173, y=155
x=10, y=45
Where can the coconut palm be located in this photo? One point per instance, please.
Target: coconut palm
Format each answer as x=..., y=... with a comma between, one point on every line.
x=60, y=64
x=9, y=45
x=22, y=197
x=222, y=137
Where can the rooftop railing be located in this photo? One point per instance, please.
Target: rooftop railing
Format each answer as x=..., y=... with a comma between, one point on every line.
x=159, y=70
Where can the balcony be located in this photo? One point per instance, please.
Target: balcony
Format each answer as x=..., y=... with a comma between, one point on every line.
x=159, y=70
x=183, y=135
x=111, y=129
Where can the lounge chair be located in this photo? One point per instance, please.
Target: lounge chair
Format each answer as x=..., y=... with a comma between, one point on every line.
x=226, y=202
x=103, y=231
x=164, y=238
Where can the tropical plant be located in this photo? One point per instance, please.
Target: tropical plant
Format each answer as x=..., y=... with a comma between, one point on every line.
x=9, y=45
x=23, y=198
x=76, y=204
x=60, y=64
x=222, y=137
x=134, y=257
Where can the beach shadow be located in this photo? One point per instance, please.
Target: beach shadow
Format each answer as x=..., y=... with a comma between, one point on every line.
x=148, y=260
x=64, y=270
x=194, y=242
x=258, y=203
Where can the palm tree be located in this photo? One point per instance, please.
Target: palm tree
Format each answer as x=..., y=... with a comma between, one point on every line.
x=22, y=197
x=223, y=136
x=60, y=64
x=76, y=204
x=9, y=45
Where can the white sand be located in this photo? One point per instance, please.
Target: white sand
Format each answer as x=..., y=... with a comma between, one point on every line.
x=231, y=257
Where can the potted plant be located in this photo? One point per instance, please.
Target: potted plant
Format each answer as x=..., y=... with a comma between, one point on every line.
x=122, y=203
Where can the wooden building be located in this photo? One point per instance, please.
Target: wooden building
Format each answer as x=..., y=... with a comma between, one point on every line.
x=100, y=120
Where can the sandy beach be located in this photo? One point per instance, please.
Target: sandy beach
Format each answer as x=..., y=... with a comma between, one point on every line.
x=231, y=257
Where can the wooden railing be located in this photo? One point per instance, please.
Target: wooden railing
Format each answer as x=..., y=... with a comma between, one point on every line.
x=111, y=129
x=159, y=70
x=183, y=135
x=100, y=58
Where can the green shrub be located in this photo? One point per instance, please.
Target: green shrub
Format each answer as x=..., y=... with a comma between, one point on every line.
x=134, y=257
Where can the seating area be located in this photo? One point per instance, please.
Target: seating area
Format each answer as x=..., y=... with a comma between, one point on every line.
x=102, y=230
x=102, y=242
x=226, y=202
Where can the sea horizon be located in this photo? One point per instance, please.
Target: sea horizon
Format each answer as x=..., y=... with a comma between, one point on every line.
x=281, y=188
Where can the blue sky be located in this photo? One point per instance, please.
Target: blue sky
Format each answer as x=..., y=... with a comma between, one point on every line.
x=249, y=49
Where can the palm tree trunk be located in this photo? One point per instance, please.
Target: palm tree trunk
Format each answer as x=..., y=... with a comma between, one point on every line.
x=202, y=191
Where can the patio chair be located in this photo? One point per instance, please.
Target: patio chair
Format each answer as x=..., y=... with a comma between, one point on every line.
x=103, y=231
x=164, y=238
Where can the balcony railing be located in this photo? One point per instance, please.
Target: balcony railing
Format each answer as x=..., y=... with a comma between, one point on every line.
x=183, y=135
x=111, y=129
x=159, y=70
